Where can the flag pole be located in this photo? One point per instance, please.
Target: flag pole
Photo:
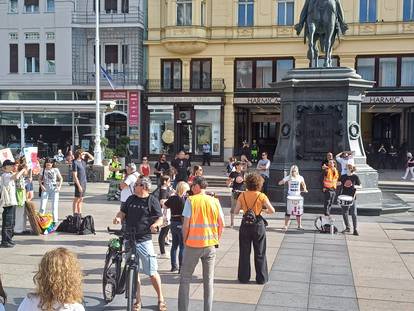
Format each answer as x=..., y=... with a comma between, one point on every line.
x=97, y=150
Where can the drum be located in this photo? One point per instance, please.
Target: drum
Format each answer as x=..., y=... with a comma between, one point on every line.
x=345, y=200
x=294, y=205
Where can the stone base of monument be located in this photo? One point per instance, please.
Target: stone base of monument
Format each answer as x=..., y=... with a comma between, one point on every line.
x=320, y=113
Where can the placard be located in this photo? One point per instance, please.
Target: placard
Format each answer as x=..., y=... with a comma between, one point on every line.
x=30, y=153
x=133, y=108
x=6, y=154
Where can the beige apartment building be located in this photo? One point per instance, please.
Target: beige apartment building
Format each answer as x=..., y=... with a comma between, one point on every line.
x=210, y=63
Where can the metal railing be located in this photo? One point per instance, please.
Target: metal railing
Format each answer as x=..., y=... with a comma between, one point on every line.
x=178, y=85
x=119, y=78
x=133, y=17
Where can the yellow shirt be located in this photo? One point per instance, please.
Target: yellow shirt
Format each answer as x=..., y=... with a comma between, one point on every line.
x=249, y=197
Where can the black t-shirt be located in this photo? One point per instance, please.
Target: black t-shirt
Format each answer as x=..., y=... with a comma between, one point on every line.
x=238, y=181
x=181, y=166
x=165, y=193
x=161, y=166
x=348, y=182
x=140, y=214
x=80, y=168
x=176, y=204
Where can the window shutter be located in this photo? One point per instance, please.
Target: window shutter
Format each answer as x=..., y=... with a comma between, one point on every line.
x=31, y=2
x=125, y=6
x=111, y=5
x=111, y=54
x=124, y=54
x=50, y=51
x=32, y=50
x=14, y=58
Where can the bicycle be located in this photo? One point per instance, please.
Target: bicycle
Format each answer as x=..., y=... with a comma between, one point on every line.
x=115, y=281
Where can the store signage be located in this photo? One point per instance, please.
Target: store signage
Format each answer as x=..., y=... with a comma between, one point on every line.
x=114, y=95
x=257, y=100
x=181, y=99
x=374, y=100
x=133, y=108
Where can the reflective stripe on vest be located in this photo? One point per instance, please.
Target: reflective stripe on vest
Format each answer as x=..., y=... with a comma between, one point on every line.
x=203, y=230
x=331, y=178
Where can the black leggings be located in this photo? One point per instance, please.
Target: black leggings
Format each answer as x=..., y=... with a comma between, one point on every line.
x=161, y=238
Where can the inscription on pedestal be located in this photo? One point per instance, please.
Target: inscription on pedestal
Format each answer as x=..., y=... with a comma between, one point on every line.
x=319, y=135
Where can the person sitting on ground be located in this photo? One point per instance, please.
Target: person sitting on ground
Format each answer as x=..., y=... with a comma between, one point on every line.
x=197, y=171
x=59, y=157
x=230, y=165
x=58, y=284
x=3, y=297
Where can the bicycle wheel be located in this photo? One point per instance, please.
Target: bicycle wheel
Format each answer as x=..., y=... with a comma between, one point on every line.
x=130, y=293
x=109, y=277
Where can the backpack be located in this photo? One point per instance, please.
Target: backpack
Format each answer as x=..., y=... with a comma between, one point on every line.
x=70, y=225
x=249, y=217
x=87, y=226
x=324, y=227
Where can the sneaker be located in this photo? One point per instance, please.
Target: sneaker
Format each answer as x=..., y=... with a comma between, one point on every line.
x=167, y=243
x=163, y=256
x=173, y=269
x=404, y=178
x=356, y=232
x=285, y=228
x=347, y=230
x=6, y=245
x=300, y=228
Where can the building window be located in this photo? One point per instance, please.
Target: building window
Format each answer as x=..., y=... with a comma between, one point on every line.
x=282, y=67
x=13, y=36
x=50, y=57
x=200, y=74
x=32, y=57
x=50, y=6
x=50, y=36
x=203, y=13
x=208, y=128
x=366, y=68
x=31, y=35
x=14, y=58
x=161, y=126
x=407, y=71
x=408, y=10
x=31, y=6
x=171, y=74
x=111, y=6
x=264, y=72
x=368, y=11
x=285, y=12
x=184, y=12
x=125, y=6
x=111, y=58
x=387, y=72
x=244, y=74
x=13, y=8
x=246, y=9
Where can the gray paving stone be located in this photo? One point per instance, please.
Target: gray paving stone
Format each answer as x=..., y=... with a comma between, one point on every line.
x=331, y=269
x=331, y=254
x=324, y=278
x=343, y=261
x=284, y=299
x=330, y=248
x=332, y=290
x=296, y=252
x=277, y=275
x=293, y=266
x=293, y=245
x=287, y=287
x=333, y=303
x=278, y=308
x=294, y=239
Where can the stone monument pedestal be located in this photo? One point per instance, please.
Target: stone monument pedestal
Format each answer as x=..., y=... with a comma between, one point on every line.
x=320, y=113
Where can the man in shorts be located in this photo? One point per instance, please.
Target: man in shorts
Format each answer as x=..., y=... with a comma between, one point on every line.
x=79, y=179
x=139, y=212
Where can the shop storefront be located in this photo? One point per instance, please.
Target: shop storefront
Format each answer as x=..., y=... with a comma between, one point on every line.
x=174, y=123
x=257, y=119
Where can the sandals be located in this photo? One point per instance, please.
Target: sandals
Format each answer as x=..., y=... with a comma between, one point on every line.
x=137, y=307
x=162, y=306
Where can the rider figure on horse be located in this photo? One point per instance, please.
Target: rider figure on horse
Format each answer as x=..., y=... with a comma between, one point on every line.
x=340, y=17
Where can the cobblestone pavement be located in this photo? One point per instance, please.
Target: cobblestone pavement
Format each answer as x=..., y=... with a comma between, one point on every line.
x=308, y=270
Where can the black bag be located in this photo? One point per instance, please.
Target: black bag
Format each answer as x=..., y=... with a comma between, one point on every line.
x=87, y=226
x=249, y=217
x=70, y=225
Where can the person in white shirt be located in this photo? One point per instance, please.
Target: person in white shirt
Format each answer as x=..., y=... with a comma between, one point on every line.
x=127, y=186
x=295, y=182
x=58, y=284
x=344, y=158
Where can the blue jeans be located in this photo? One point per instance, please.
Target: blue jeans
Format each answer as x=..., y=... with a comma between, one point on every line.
x=177, y=241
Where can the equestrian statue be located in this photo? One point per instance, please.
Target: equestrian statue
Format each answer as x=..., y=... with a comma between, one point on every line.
x=323, y=21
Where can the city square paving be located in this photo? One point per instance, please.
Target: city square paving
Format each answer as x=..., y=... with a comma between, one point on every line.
x=308, y=270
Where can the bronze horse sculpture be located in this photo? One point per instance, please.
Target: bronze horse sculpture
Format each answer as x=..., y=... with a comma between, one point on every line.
x=324, y=22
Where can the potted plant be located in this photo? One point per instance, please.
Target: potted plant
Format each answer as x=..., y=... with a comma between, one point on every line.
x=122, y=149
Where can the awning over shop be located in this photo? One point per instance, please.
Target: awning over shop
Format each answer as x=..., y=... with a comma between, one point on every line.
x=55, y=105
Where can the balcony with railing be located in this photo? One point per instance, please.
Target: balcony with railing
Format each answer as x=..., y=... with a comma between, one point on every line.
x=121, y=79
x=179, y=85
x=86, y=18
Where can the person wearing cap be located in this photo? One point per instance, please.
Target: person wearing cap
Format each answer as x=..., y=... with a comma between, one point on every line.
x=9, y=201
x=202, y=228
x=127, y=185
x=139, y=212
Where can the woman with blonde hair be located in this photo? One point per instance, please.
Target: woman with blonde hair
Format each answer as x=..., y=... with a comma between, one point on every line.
x=58, y=284
x=176, y=204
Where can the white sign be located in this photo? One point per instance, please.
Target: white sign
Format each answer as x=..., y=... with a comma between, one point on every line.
x=182, y=99
x=393, y=100
x=30, y=153
x=257, y=100
x=6, y=154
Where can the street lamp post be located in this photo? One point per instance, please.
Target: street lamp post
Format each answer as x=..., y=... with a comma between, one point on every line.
x=97, y=150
